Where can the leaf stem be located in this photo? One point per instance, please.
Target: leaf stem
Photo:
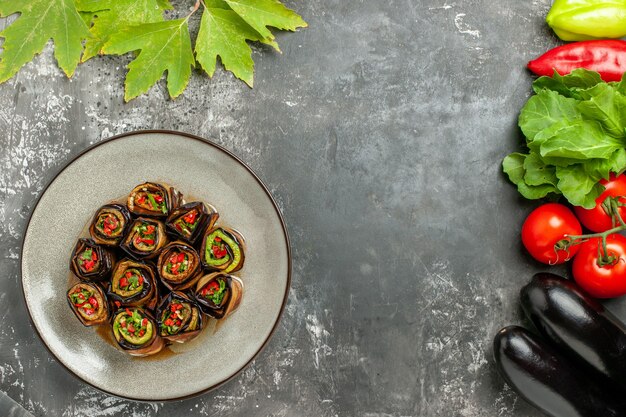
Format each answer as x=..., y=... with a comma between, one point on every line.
x=194, y=9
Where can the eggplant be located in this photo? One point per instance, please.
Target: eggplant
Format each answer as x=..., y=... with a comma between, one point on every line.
x=188, y=221
x=577, y=324
x=223, y=249
x=136, y=332
x=218, y=294
x=145, y=238
x=110, y=224
x=551, y=381
x=179, y=318
x=88, y=303
x=179, y=266
x=91, y=262
x=133, y=284
x=153, y=199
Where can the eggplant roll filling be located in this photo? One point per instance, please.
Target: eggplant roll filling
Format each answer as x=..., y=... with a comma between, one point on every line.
x=178, y=316
x=109, y=225
x=219, y=294
x=88, y=303
x=153, y=199
x=145, y=238
x=135, y=330
x=91, y=262
x=133, y=284
x=179, y=265
x=189, y=220
x=223, y=250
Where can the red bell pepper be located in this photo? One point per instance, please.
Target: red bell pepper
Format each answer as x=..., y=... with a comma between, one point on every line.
x=607, y=57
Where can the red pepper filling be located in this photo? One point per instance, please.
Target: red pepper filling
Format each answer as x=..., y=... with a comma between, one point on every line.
x=108, y=224
x=85, y=301
x=218, y=248
x=172, y=318
x=214, y=291
x=187, y=224
x=87, y=260
x=133, y=323
x=177, y=263
x=131, y=280
x=151, y=200
x=145, y=235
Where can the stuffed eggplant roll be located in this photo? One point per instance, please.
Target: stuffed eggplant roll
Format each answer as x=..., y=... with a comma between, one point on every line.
x=133, y=284
x=153, y=199
x=223, y=250
x=179, y=318
x=218, y=294
x=179, y=266
x=145, y=239
x=91, y=262
x=136, y=333
x=89, y=303
x=110, y=224
x=189, y=220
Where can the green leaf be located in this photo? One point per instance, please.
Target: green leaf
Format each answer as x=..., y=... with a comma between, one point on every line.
x=617, y=162
x=621, y=86
x=513, y=166
x=582, y=139
x=164, y=46
x=165, y=4
x=223, y=33
x=601, y=168
x=579, y=78
x=572, y=85
x=545, y=109
x=534, y=192
x=607, y=107
x=537, y=172
x=112, y=15
x=578, y=186
x=263, y=13
x=40, y=21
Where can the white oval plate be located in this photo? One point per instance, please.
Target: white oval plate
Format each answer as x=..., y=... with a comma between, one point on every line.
x=198, y=168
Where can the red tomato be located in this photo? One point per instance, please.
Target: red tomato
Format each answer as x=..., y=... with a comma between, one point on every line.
x=596, y=219
x=546, y=226
x=606, y=281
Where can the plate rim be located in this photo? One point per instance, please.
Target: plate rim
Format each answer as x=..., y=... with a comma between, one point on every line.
x=206, y=142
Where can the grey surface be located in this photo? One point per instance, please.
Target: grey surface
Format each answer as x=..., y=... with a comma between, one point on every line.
x=10, y=408
x=380, y=131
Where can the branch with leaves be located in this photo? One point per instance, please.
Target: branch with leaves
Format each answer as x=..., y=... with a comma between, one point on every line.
x=83, y=29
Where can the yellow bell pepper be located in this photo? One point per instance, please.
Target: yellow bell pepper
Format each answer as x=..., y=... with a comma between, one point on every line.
x=578, y=20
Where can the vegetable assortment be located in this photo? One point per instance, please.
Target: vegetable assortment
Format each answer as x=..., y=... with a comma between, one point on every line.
x=151, y=296
x=575, y=150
